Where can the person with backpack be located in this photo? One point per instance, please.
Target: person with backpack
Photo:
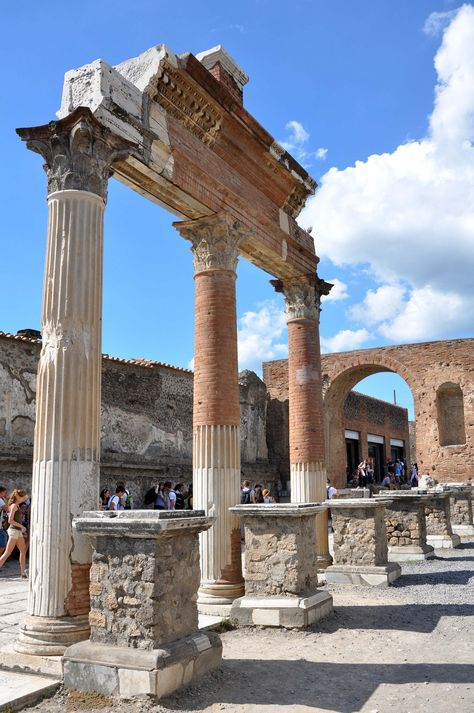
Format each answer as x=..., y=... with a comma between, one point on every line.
x=245, y=493
x=169, y=496
x=116, y=502
x=178, y=490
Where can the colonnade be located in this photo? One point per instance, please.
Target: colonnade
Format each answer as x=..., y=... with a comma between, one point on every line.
x=79, y=155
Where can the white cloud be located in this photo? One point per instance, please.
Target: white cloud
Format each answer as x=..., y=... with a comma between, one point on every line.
x=378, y=305
x=408, y=216
x=338, y=292
x=259, y=334
x=345, y=340
x=437, y=22
x=298, y=134
x=321, y=153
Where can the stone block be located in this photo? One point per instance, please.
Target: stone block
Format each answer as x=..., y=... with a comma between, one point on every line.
x=441, y=542
x=380, y=576
x=285, y=612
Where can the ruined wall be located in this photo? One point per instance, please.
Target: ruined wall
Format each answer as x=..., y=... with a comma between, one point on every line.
x=146, y=420
x=431, y=370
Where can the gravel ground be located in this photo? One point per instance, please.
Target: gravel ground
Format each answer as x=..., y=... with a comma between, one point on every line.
x=405, y=649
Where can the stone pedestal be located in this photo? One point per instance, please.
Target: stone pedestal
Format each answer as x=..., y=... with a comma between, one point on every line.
x=144, y=637
x=360, y=544
x=438, y=521
x=460, y=503
x=406, y=526
x=281, y=583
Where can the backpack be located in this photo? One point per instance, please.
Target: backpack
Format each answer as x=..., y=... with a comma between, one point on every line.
x=150, y=496
x=245, y=497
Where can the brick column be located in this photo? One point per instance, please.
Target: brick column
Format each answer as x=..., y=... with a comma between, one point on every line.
x=216, y=406
x=307, y=454
x=78, y=153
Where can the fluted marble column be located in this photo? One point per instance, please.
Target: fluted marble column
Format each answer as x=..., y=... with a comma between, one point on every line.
x=216, y=406
x=307, y=454
x=78, y=154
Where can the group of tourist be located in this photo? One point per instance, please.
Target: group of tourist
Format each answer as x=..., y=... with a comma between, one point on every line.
x=395, y=475
x=256, y=495
x=14, y=525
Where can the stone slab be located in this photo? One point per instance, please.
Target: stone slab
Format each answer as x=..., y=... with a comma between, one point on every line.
x=410, y=553
x=366, y=576
x=465, y=532
x=286, y=612
x=18, y=690
x=130, y=673
x=442, y=542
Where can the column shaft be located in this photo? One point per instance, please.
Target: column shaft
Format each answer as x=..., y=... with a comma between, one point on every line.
x=67, y=432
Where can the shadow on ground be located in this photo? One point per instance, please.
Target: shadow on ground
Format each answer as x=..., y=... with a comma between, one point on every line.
x=421, y=618
x=336, y=687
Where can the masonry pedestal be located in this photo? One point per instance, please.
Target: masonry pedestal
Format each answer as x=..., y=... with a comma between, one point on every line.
x=406, y=526
x=281, y=561
x=460, y=503
x=144, y=638
x=360, y=544
x=438, y=522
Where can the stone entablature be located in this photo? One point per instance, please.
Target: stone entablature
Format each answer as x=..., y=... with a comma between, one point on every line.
x=198, y=150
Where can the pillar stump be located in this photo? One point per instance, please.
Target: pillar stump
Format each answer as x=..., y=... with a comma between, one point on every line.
x=145, y=574
x=360, y=544
x=438, y=521
x=281, y=561
x=405, y=523
x=460, y=503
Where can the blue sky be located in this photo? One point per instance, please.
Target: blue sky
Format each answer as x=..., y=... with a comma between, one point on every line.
x=352, y=88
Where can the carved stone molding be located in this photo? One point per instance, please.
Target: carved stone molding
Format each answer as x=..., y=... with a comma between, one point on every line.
x=78, y=151
x=215, y=241
x=181, y=98
x=303, y=295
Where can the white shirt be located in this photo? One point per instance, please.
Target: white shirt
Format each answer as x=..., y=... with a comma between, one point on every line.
x=332, y=491
x=171, y=498
x=117, y=501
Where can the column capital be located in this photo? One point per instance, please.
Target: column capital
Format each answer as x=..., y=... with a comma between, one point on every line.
x=78, y=152
x=302, y=295
x=215, y=241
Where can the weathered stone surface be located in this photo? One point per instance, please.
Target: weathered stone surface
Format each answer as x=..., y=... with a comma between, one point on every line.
x=406, y=526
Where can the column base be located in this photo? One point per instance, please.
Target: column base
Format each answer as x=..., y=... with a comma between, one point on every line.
x=50, y=636
x=410, y=553
x=217, y=599
x=465, y=532
x=128, y=673
x=324, y=561
x=285, y=612
x=375, y=576
x=442, y=542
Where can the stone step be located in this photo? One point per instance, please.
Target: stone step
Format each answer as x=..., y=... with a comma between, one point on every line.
x=18, y=690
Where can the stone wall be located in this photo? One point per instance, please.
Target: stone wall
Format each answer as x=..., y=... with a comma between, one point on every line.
x=146, y=421
x=438, y=516
x=405, y=525
x=460, y=504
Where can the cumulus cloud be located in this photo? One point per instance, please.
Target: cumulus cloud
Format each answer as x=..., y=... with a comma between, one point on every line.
x=437, y=22
x=338, y=292
x=408, y=216
x=345, y=340
x=262, y=336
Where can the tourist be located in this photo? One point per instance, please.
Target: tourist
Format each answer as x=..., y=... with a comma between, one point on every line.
x=386, y=482
x=245, y=493
x=267, y=498
x=362, y=473
x=160, y=500
x=126, y=497
x=189, y=498
x=3, y=519
x=256, y=496
x=104, y=498
x=169, y=496
x=398, y=470
x=178, y=490
x=331, y=491
x=414, y=476
x=117, y=501
x=16, y=531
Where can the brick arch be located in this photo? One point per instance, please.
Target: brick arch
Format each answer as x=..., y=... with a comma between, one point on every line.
x=337, y=384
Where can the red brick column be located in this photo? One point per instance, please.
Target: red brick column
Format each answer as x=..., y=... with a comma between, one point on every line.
x=216, y=409
x=307, y=455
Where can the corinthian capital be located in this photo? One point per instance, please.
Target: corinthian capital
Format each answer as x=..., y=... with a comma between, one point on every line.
x=302, y=295
x=78, y=152
x=215, y=241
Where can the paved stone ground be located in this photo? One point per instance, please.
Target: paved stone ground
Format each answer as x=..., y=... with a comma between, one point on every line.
x=406, y=649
